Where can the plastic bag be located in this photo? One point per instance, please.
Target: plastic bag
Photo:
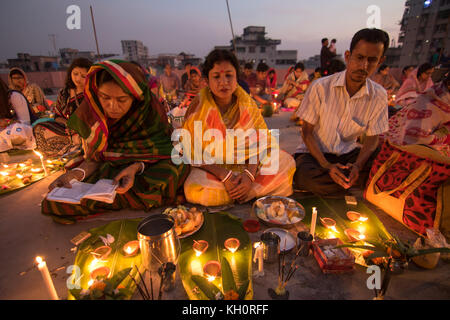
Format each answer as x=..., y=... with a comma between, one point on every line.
x=18, y=136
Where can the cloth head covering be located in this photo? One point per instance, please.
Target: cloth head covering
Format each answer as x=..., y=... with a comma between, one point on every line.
x=140, y=135
x=411, y=87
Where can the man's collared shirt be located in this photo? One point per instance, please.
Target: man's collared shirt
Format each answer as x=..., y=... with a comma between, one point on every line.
x=338, y=119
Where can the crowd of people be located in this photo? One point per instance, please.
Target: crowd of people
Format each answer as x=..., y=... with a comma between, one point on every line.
x=110, y=115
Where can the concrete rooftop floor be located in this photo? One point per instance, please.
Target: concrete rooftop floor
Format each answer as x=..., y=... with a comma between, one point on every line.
x=25, y=233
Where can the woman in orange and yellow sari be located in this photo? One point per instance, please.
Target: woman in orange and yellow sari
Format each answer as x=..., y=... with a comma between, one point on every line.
x=243, y=161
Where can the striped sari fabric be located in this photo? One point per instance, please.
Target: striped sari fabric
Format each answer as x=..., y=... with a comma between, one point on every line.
x=140, y=135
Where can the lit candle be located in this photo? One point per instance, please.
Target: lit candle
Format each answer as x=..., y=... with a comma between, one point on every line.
x=42, y=161
x=131, y=248
x=313, y=221
x=196, y=267
x=232, y=244
x=37, y=170
x=259, y=255
x=42, y=266
x=199, y=247
x=354, y=235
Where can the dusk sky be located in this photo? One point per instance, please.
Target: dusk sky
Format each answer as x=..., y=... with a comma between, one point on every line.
x=194, y=26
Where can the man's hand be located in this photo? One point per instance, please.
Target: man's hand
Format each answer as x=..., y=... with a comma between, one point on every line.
x=354, y=173
x=338, y=176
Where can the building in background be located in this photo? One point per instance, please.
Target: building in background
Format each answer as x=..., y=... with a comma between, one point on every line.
x=134, y=50
x=424, y=34
x=253, y=46
x=69, y=54
x=28, y=63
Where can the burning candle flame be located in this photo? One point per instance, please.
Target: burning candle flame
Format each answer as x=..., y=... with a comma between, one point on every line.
x=3, y=173
x=5, y=166
x=39, y=260
x=19, y=176
x=91, y=282
x=362, y=218
x=22, y=165
x=38, y=154
x=129, y=250
x=211, y=278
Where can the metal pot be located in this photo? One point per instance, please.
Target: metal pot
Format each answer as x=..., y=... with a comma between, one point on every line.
x=158, y=241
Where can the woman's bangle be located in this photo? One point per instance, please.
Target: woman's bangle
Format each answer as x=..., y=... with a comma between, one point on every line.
x=227, y=176
x=250, y=175
x=141, y=171
x=82, y=170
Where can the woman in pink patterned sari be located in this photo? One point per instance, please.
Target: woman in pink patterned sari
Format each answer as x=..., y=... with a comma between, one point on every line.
x=418, y=82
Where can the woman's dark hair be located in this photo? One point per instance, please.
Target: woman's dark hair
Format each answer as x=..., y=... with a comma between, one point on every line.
x=299, y=65
x=318, y=69
x=424, y=68
x=372, y=36
x=271, y=71
x=383, y=67
x=194, y=71
x=248, y=65
x=324, y=39
x=77, y=63
x=4, y=101
x=217, y=56
x=103, y=77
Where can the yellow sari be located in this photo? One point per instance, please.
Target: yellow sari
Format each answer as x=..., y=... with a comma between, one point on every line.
x=231, y=149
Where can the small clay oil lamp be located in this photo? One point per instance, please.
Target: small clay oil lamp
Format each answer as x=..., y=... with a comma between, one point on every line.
x=211, y=270
x=131, y=248
x=37, y=170
x=354, y=235
x=329, y=224
x=100, y=272
x=101, y=253
x=356, y=216
x=200, y=247
x=232, y=244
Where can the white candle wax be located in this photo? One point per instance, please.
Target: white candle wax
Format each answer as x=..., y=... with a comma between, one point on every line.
x=313, y=221
x=42, y=266
x=259, y=255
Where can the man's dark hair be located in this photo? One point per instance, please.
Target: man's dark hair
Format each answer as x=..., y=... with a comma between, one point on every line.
x=318, y=69
x=262, y=67
x=383, y=67
x=333, y=40
x=324, y=39
x=299, y=65
x=188, y=64
x=424, y=68
x=372, y=36
x=194, y=71
x=336, y=65
x=217, y=56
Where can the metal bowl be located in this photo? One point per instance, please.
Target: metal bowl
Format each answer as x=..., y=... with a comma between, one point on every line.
x=267, y=201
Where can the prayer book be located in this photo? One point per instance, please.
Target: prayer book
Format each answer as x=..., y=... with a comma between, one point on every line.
x=104, y=191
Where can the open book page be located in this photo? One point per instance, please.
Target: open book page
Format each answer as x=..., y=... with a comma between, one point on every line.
x=72, y=195
x=103, y=190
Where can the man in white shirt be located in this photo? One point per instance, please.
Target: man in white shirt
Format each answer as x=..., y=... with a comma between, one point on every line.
x=336, y=111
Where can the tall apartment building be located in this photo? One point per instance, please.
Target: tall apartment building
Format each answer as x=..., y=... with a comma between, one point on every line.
x=253, y=46
x=424, y=31
x=135, y=50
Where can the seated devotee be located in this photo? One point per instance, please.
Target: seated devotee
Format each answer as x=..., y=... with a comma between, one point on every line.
x=187, y=74
x=53, y=138
x=406, y=71
x=295, y=86
x=425, y=122
x=386, y=80
x=32, y=92
x=272, y=79
x=126, y=138
x=418, y=82
x=194, y=84
x=315, y=75
x=15, y=120
x=219, y=177
x=248, y=75
x=169, y=84
x=336, y=111
x=260, y=91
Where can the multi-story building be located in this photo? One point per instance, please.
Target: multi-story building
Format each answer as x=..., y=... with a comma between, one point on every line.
x=424, y=31
x=69, y=54
x=134, y=50
x=253, y=46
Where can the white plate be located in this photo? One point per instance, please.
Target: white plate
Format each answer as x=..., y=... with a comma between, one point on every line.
x=267, y=201
x=285, y=238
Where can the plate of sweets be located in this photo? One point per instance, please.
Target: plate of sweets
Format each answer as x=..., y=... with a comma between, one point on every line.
x=187, y=220
x=276, y=211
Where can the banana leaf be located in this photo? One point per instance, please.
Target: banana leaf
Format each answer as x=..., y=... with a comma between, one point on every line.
x=337, y=210
x=119, y=264
x=217, y=228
